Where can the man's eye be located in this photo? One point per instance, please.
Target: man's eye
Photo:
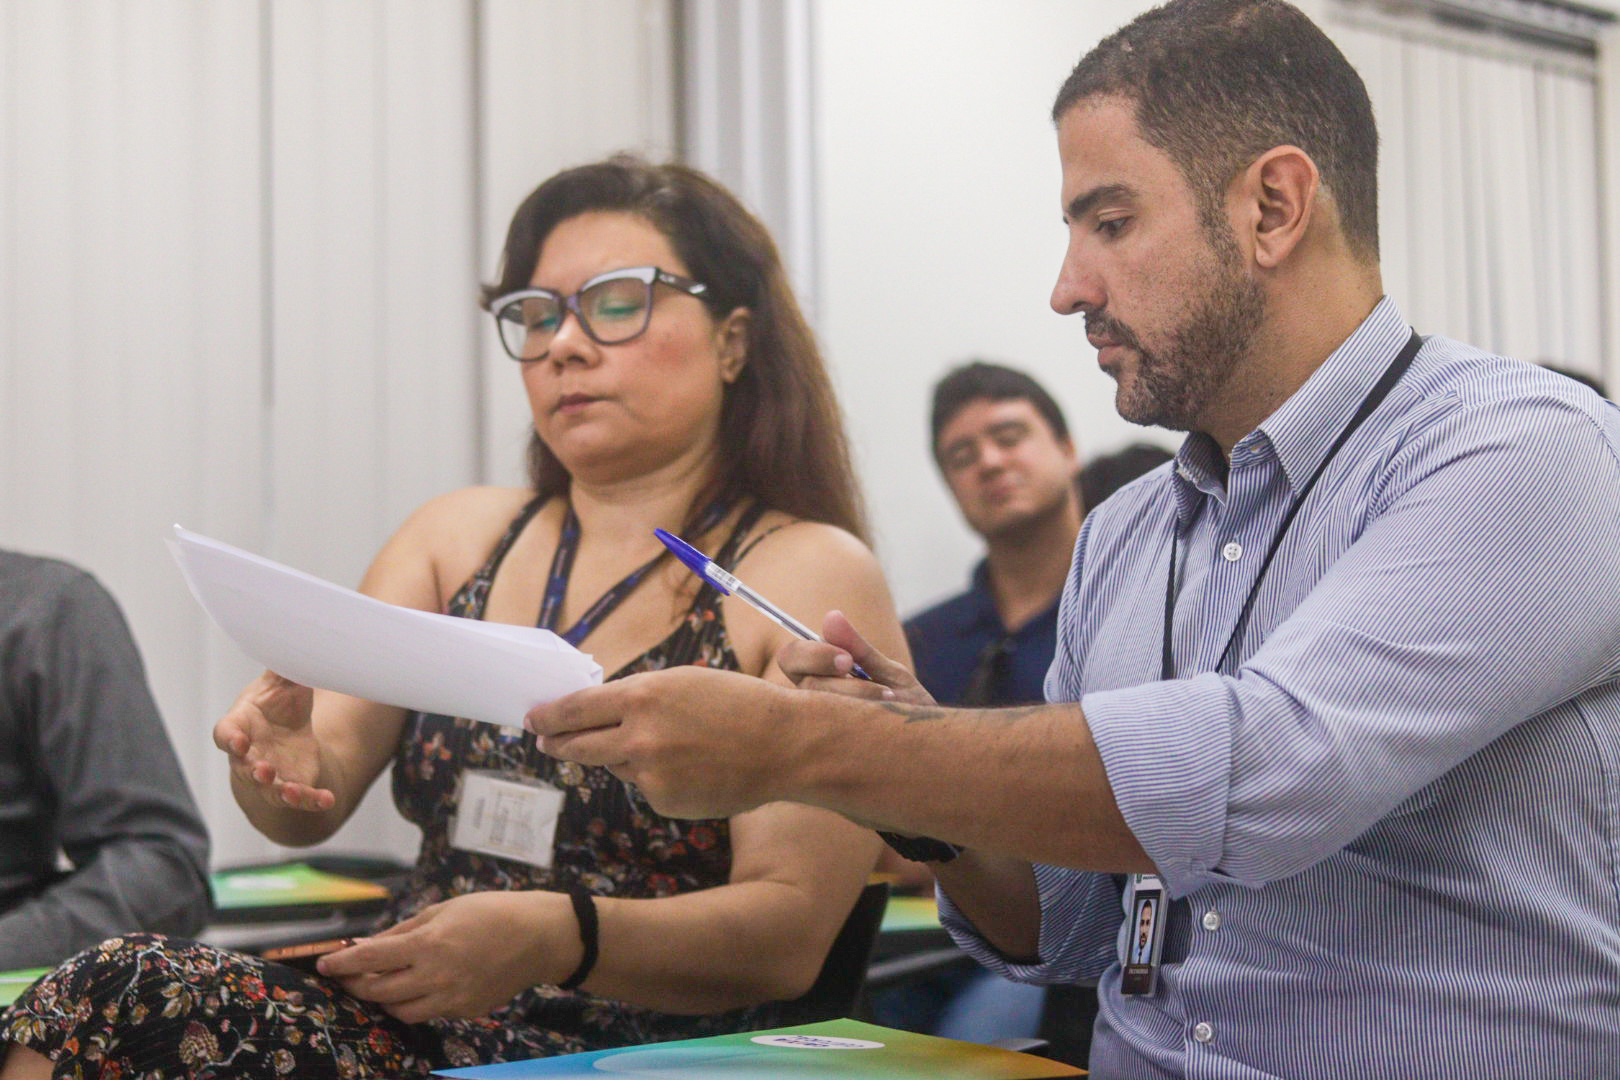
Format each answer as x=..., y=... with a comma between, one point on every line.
x=1112, y=227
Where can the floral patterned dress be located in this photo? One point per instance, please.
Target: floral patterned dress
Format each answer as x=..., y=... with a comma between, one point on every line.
x=147, y=1006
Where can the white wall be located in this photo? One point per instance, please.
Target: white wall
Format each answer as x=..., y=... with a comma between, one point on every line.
x=941, y=234
x=240, y=246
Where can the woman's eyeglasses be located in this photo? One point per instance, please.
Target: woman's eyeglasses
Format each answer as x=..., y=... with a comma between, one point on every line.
x=612, y=308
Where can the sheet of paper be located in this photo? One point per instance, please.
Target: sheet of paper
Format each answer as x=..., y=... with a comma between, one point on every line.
x=323, y=635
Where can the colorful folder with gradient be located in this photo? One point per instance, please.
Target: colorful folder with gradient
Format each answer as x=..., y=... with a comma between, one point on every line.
x=13, y=983
x=845, y=1049
x=288, y=889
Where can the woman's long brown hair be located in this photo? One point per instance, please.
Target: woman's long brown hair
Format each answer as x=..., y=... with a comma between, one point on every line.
x=781, y=437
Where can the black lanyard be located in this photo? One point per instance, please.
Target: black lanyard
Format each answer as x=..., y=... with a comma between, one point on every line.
x=1375, y=397
x=562, y=565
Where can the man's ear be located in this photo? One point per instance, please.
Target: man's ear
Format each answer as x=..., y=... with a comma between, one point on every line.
x=1279, y=191
x=732, y=337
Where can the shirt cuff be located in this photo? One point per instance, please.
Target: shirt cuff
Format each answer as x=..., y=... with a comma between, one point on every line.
x=1052, y=960
x=1167, y=750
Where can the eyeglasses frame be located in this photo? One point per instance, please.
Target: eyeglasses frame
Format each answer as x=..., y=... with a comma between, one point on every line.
x=647, y=275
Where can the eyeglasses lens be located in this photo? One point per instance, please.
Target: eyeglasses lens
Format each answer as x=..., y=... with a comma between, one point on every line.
x=613, y=312
x=528, y=325
x=616, y=310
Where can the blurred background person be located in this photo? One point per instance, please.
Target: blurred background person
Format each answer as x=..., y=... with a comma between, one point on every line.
x=1003, y=448
x=1579, y=376
x=1101, y=476
x=673, y=383
x=86, y=770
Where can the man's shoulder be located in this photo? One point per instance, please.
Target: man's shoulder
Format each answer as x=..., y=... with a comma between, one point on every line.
x=27, y=579
x=948, y=613
x=1460, y=392
x=40, y=594
x=1455, y=375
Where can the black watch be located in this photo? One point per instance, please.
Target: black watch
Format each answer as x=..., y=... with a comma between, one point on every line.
x=921, y=848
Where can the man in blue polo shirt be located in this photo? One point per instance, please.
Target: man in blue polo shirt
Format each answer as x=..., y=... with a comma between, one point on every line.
x=1004, y=450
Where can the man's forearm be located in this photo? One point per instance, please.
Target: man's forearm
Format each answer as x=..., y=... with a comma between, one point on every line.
x=1025, y=783
x=998, y=896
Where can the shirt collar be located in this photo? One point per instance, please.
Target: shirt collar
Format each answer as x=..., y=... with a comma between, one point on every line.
x=1303, y=428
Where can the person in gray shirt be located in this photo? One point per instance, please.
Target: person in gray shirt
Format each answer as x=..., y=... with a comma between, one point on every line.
x=86, y=769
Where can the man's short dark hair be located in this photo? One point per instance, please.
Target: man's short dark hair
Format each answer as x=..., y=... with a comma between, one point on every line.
x=1105, y=475
x=979, y=379
x=1217, y=83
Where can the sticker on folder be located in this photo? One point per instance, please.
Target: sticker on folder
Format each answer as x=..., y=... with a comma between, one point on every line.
x=324, y=635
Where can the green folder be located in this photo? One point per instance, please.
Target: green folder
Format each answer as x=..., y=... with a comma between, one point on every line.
x=906, y=913
x=288, y=890
x=13, y=983
x=845, y=1049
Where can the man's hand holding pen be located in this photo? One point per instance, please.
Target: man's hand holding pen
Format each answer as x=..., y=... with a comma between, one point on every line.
x=701, y=743
x=697, y=742
x=826, y=665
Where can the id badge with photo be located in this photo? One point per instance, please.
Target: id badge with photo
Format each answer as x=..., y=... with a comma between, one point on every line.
x=507, y=816
x=1148, y=914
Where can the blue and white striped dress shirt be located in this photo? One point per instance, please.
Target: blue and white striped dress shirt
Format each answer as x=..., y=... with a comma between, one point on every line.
x=1392, y=823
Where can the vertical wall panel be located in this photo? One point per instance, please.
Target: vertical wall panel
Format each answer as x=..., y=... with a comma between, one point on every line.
x=240, y=247
x=132, y=316
x=558, y=88
x=1487, y=226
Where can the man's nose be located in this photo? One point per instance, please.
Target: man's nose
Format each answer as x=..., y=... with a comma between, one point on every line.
x=1079, y=288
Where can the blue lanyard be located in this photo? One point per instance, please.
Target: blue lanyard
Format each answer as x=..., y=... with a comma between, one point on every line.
x=562, y=566
x=1375, y=397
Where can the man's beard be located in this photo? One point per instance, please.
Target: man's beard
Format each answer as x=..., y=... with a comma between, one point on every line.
x=1175, y=385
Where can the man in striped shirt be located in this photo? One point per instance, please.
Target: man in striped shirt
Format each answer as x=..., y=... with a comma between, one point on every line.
x=1342, y=681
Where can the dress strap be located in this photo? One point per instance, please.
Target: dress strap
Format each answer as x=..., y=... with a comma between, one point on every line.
x=730, y=560
x=487, y=573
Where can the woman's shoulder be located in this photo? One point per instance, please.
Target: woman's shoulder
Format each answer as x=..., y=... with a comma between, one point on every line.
x=466, y=516
x=809, y=568
x=778, y=538
x=455, y=532
x=786, y=557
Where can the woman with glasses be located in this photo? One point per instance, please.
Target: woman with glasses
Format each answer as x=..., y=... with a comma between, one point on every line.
x=673, y=384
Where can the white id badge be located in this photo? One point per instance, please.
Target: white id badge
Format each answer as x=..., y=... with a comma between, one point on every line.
x=511, y=817
x=1145, y=937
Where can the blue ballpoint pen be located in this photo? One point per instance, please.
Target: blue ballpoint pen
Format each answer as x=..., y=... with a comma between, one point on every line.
x=704, y=567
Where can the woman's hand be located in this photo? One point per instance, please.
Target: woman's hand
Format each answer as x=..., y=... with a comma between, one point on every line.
x=465, y=957
x=272, y=746
x=825, y=665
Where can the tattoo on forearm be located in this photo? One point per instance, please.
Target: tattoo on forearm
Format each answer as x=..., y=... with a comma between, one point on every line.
x=913, y=714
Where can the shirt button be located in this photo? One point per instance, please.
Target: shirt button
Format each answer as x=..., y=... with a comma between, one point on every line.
x=1212, y=920
x=1203, y=1032
x=1232, y=552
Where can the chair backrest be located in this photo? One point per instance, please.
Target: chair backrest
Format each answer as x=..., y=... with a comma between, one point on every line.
x=838, y=987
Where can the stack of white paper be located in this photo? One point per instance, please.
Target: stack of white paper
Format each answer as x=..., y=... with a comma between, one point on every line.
x=323, y=635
